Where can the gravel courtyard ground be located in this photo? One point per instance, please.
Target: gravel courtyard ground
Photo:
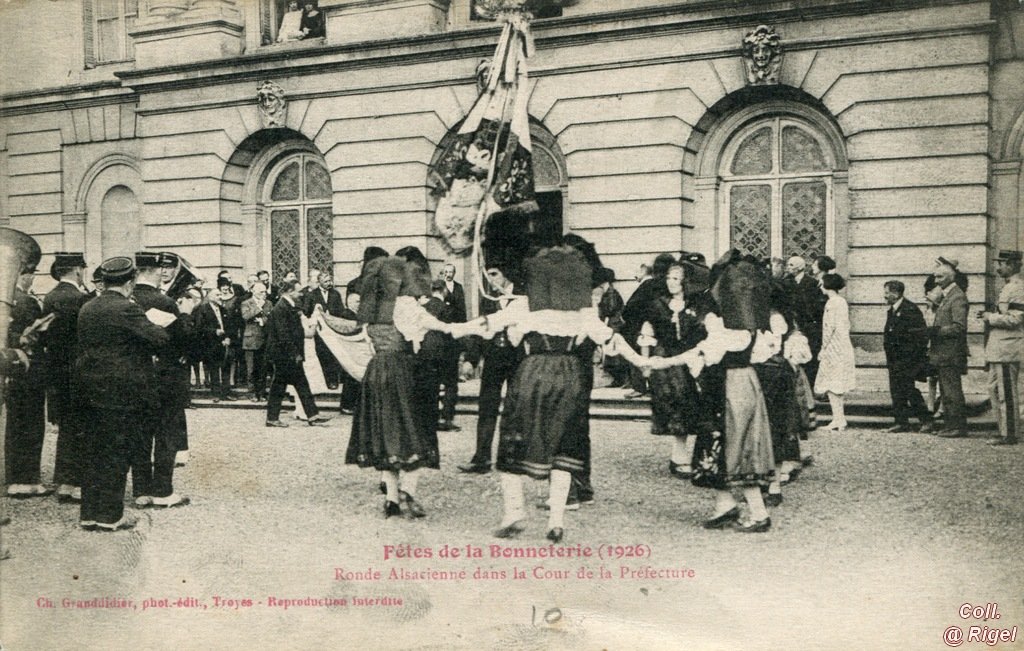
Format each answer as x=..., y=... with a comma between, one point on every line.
x=877, y=546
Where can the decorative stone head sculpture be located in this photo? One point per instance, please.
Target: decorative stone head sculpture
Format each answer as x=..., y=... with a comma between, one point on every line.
x=762, y=56
x=272, y=104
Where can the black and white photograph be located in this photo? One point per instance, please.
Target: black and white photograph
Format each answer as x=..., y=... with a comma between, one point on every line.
x=568, y=325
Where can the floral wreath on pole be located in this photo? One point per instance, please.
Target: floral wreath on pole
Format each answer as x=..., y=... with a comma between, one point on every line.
x=488, y=166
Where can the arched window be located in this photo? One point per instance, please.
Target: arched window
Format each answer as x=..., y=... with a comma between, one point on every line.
x=777, y=189
x=119, y=223
x=298, y=201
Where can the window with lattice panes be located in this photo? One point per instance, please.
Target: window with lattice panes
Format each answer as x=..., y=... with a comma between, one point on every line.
x=777, y=189
x=298, y=206
x=107, y=27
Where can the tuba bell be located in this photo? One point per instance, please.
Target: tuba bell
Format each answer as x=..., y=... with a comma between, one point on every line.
x=185, y=277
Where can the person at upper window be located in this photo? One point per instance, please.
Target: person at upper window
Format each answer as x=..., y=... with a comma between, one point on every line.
x=291, y=24
x=313, y=23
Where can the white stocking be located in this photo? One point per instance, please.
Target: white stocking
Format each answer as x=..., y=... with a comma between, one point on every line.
x=409, y=480
x=758, y=511
x=559, y=492
x=679, y=455
x=512, y=494
x=390, y=479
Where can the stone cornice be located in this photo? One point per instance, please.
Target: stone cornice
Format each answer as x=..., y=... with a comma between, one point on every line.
x=478, y=41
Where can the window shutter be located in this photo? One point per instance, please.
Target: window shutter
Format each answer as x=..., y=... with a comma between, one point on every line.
x=88, y=39
x=266, y=23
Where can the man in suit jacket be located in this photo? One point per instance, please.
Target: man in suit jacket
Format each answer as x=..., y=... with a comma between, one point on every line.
x=168, y=432
x=215, y=325
x=455, y=311
x=285, y=351
x=948, y=350
x=329, y=299
x=115, y=377
x=61, y=340
x=255, y=315
x=906, y=356
x=1004, y=349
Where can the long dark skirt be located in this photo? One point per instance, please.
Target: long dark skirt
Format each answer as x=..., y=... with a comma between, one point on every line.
x=544, y=406
x=778, y=383
x=388, y=432
x=676, y=408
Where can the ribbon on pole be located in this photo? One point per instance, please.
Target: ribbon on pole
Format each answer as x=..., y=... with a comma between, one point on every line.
x=488, y=166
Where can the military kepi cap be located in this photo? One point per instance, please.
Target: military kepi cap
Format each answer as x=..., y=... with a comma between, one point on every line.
x=168, y=259
x=147, y=259
x=949, y=262
x=1008, y=255
x=117, y=271
x=64, y=262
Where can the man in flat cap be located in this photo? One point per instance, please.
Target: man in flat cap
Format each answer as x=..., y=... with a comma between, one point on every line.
x=948, y=349
x=61, y=340
x=114, y=373
x=168, y=431
x=1004, y=349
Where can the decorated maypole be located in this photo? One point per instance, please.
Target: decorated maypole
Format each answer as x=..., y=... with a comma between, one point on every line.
x=488, y=166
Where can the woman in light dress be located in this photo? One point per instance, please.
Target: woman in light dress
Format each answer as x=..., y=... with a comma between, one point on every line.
x=836, y=370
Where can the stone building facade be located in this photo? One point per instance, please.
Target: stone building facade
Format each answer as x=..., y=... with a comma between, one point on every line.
x=881, y=133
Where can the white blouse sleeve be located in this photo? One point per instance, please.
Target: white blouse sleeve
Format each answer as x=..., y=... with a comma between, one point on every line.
x=412, y=321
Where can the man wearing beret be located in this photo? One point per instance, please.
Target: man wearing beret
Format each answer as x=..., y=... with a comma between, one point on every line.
x=114, y=372
x=1004, y=349
x=61, y=339
x=948, y=350
x=168, y=431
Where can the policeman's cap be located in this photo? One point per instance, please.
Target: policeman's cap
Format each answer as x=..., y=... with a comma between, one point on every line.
x=1007, y=255
x=147, y=259
x=64, y=262
x=117, y=271
x=168, y=259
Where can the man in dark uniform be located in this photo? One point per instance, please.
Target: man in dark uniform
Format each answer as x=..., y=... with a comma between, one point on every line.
x=455, y=301
x=168, y=431
x=500, y=359
x=61, y=338
x=115, y=376
x=26, y=399
x=906, y=356
x=285, y=343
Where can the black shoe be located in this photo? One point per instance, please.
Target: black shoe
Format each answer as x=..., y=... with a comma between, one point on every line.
x=346, y=412
x=383, y=488
x=900, y=428
x=1002, y=441
x=722, y=521
x=390, y=509
x=448, y=426
x=413, y=509
x=319, y=418
x=475, y=468
x=773, y=499
x=952, y=434
x=332, y=387
x=755, y=527
x=511, y=531
x=929, y=428
x=228, y=398
x=556, y=534
x=276, y=423
x=794, y=473
x=676, y=470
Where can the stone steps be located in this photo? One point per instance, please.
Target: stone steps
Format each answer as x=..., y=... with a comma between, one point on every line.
x=864, y=409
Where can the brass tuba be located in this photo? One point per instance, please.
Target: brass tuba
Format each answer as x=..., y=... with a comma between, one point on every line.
x=19, y=254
